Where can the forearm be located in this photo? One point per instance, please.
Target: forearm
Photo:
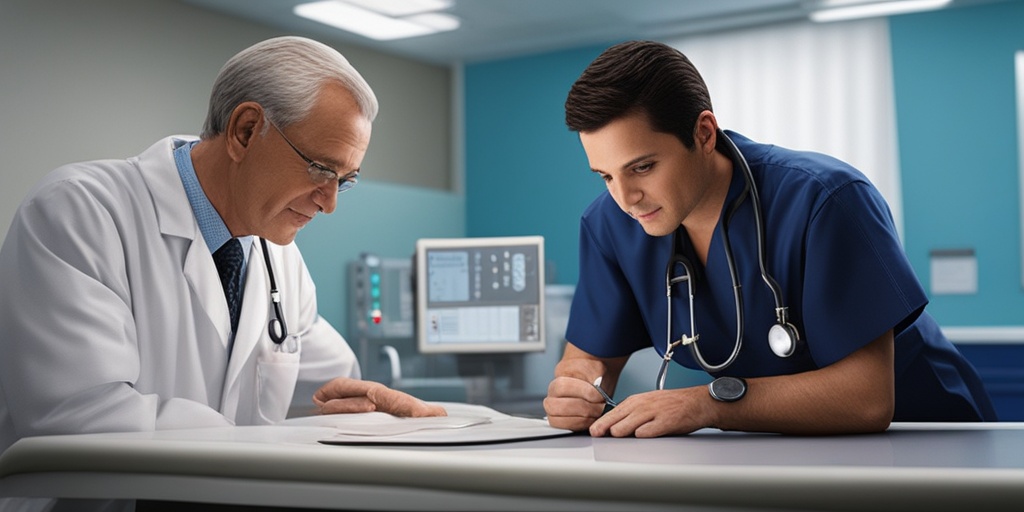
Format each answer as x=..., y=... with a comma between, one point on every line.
x=853, y=395
x=112, y=407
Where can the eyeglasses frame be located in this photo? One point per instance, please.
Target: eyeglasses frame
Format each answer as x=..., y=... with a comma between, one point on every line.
x=318, y=172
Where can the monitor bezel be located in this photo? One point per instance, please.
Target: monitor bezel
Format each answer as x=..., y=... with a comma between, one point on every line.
x=427, y=244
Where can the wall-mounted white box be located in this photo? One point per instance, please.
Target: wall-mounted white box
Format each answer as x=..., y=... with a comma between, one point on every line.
x=954, y=272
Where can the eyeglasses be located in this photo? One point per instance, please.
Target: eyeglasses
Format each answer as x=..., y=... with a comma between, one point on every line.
x=319, y=173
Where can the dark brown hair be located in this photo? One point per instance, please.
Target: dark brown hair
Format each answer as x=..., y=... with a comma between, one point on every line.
x=639, y=77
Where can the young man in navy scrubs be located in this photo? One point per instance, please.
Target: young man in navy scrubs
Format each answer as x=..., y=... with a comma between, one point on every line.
x=858, y=351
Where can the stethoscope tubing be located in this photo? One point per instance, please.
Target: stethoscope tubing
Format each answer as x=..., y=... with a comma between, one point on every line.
x=749, y=189
x=755, y=201
x=277, y=328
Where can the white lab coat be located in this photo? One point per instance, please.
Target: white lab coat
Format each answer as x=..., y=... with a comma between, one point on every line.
x=112, y=315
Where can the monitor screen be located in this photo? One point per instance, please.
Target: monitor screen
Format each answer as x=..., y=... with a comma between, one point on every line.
x=480, y=294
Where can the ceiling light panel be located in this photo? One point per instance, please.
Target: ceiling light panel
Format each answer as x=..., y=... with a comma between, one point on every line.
x=368, y=17
x=874, y=9
x=400, y=8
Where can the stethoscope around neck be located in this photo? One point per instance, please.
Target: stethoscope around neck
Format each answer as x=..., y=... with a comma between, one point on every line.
x=277, y=329
x=783, y=338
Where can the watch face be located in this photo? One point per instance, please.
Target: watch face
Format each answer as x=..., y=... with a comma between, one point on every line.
x=727, y=389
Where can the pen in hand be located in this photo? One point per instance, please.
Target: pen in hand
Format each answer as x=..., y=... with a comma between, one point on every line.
x=607, y=399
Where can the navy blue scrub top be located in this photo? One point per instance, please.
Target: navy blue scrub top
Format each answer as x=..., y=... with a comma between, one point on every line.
x=831, y=245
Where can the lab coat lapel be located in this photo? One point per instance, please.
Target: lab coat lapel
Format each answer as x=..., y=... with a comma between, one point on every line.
x=175, y=216
x=202, y=276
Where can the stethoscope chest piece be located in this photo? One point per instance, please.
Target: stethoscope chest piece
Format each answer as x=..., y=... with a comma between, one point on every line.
x=783, y=339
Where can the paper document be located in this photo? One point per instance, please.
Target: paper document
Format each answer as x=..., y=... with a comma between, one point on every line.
x=384, y=424
x=466, y=424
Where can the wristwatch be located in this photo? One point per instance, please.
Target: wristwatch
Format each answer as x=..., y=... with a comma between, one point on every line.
x=727, y=389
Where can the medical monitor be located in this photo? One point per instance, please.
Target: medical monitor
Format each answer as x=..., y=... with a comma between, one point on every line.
x=480, y=295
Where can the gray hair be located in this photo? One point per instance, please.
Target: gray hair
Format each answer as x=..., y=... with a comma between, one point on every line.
x=283, y=75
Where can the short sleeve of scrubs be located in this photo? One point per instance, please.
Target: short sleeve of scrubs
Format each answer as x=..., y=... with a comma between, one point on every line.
x=604, y=319
x=857, y=282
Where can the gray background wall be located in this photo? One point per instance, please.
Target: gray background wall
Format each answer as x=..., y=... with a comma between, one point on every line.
x=107, y=78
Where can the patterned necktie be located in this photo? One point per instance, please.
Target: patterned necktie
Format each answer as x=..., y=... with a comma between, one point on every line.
x=229, y=260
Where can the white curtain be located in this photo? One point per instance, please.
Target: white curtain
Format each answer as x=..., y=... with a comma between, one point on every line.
x=820, y=87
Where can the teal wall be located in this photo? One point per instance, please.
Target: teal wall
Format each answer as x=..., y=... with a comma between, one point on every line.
x=526, y=173
x=954, y=87
x=956, y=121
x=375, y=217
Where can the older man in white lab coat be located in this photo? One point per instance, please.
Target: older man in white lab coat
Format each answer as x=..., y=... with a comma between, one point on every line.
x=115, y=316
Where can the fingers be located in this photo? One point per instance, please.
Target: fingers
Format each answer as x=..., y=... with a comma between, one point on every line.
x=347, y=405
x=622, y=421
x=341, y=388
x=343, y=395
x=429, y=410
x=572, y=404
x=571, y=387
x=651, y=429
x=654, y=414
x=402, y=404
x=637, y=425
x=571, y=413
